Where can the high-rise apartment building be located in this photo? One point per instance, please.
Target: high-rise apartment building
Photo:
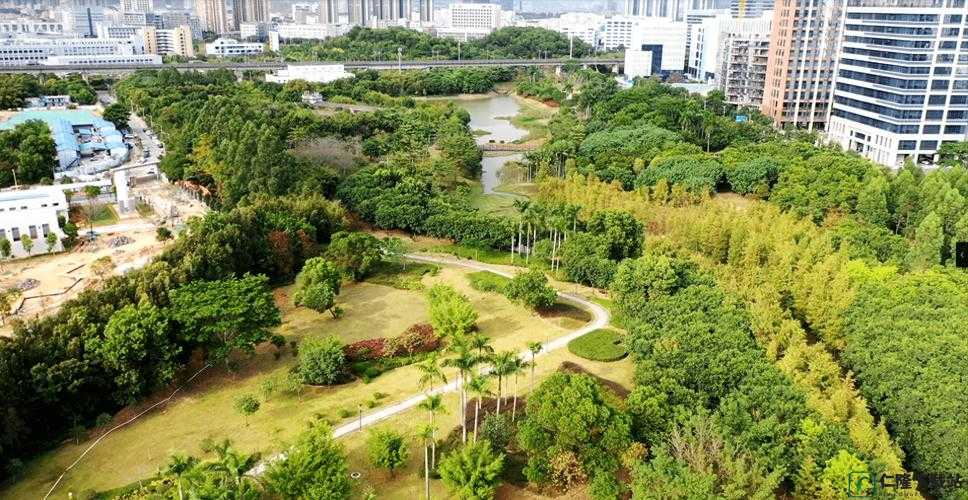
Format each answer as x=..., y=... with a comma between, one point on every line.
x=749, y=8
x=177, y=42
x=675, y=9
x=799, y=71
x=212, y=15
x=901, y=83
x=136, y=5
x=742, y=64
x=705, y=61
x=485, y=16
x=426, y=11
x=359, y=12
x=328, y=11
x=250, y=11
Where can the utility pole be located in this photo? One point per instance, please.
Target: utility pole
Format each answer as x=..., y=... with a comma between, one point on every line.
x=571, y=45
x=458, y=49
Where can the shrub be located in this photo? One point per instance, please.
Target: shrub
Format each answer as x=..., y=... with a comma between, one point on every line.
x=472, y=472
x=755, y=176
x=599, y=345
x=531, y=289
x=162, y=234
x=695, y=173
x=246, y=404
x=387, y=449
x=497, y=429
x=485, y=281
x=322, y=361
x=417, y=338
x=365, y=350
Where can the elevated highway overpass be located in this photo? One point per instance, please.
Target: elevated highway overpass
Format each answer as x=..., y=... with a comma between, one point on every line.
x=113, y=69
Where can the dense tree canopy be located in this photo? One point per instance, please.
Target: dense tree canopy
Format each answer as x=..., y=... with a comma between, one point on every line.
x=27, y=150
x=906, y=342
x=367, y=44
x=225, y=315
x=16, y=88
x=315, y=467
x=573, y=428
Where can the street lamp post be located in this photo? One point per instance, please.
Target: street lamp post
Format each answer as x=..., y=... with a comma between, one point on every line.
x=400, y=59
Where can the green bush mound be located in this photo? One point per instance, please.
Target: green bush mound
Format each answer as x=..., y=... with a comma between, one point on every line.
x=486, y=281
x=599, y=345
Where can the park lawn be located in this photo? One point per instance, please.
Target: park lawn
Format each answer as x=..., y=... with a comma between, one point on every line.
x=603, y=344
x=408, y=482
x=523, y=189
x=205, y=409
x=533, y=116
x=493, y=204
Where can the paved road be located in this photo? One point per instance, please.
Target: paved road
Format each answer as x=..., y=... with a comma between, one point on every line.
x=600, y=319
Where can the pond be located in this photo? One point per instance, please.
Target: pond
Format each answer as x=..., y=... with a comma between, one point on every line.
x=492, y=114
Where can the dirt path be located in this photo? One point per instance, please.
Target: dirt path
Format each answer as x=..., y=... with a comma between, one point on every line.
x=600, y=319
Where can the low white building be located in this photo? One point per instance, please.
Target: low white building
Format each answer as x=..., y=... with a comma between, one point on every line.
x=31, y=212
x=139, y=59
x=616, y=32
x=288, y=31
x=657, y=48
x=227, y=47
x=582, y=26
x=22, y=51
x=316, y=73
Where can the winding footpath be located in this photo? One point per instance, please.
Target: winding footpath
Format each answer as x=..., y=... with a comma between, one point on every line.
x=600, y=319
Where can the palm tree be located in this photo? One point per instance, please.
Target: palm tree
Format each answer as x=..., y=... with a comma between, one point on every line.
x=433, y=404
x=514, y=369
x=464, y=362
x=179, y=467
x=430, y=373
x=480, y=342
x=501, y=363
x=232, y=467
x=427, y=435
x=480, y=387
x=535, y=348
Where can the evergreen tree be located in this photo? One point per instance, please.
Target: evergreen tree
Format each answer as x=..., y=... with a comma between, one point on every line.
x=928, y=242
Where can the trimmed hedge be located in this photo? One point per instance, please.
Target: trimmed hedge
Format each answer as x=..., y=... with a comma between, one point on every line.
x=599, y=345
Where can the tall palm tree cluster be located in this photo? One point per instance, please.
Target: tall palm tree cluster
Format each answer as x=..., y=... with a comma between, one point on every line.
x=556, y=220
x=222, y=477
x=477, y=366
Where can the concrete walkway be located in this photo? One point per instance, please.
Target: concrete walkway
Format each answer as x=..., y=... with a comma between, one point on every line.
x=600, y=319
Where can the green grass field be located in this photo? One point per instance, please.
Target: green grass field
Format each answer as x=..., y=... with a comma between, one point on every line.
x=533, y=117
x=205, y=409
x=599, y=345
x=484, y=281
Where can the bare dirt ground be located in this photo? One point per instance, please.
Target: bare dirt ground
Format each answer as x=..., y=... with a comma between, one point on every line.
x=63, y=275
x=171, y=204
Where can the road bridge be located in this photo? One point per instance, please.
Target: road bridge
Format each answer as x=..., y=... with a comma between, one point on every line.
x=114, y=69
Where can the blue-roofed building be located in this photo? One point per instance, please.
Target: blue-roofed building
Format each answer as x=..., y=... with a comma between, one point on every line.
x=77, y=134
